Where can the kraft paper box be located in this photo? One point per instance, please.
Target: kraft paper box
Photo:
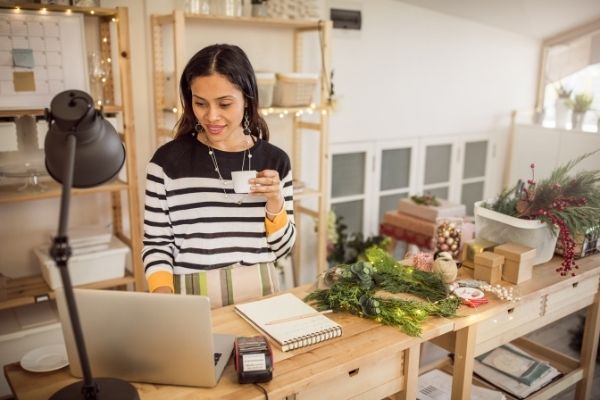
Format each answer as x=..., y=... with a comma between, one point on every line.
x=474, y=247
x=488, y=267
x=410, y=223
x=431, y=213
x=518, y=262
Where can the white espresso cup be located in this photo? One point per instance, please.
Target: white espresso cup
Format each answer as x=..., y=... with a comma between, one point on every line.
x=241, y=179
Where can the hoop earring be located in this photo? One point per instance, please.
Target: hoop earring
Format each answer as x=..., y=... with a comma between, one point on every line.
x=246, y=124
x=198, y=127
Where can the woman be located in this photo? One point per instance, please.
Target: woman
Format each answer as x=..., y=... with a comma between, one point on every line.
x=200, y=237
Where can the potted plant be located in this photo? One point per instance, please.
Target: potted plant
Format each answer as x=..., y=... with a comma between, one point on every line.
x=580, y=105
x=561, y=105
x=567, y=204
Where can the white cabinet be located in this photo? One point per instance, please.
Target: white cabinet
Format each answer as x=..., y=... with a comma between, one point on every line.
x=456, y=168
x=369, y=178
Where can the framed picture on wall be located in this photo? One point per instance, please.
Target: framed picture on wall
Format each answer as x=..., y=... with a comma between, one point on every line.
x=40, y=55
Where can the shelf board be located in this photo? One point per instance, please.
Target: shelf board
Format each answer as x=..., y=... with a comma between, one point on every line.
x=10, y=194
x=258, y=21
x=306, y=193
x=98, y=11
x=33, y=289
x=40, y=112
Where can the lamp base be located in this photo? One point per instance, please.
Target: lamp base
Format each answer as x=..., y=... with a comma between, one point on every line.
x=108, y=389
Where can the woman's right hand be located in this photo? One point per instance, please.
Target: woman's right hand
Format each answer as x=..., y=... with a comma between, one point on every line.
x=163, y=289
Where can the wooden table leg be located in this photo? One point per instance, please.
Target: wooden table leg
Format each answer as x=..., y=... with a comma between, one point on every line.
x=411, y=372
x=589, y=348
x=464, y=350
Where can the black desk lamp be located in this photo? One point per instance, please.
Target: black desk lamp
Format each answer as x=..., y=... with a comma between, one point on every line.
x=82, y=150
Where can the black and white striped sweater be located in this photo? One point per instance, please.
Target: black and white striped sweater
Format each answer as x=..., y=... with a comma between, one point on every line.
x=189, y=223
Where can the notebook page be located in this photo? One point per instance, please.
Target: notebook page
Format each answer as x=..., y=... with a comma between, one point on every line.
x=287, y=305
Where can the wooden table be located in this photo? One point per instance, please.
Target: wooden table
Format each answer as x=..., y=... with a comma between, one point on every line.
x=369, y=361
x=544, y=299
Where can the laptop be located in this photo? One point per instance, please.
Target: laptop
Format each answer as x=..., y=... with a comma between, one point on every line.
x=143, y=337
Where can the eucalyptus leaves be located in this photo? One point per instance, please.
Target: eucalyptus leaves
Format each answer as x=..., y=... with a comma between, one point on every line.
x=353, y=288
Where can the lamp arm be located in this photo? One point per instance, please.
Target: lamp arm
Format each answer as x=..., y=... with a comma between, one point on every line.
x=60, y=252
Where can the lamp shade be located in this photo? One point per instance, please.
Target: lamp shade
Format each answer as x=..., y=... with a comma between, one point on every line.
x=99, y=155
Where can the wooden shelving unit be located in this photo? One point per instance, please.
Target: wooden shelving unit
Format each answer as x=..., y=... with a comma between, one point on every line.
x=33, y=289
x=179, y=23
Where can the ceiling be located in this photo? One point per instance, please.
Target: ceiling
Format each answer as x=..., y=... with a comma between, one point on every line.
x=538, y=19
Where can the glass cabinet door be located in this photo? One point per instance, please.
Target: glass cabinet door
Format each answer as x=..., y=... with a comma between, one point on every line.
x=349, y=183
x=474, y=169
x=395, y=175
x=437, y=167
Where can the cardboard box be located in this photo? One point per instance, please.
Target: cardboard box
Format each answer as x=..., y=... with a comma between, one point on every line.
x=87, y=264
x=474, y=247
x=488, y=267
x=431, y=213
x=410, y=223
x=518, y=262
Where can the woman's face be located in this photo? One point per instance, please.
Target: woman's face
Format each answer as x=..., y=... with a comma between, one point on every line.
x=219, y=107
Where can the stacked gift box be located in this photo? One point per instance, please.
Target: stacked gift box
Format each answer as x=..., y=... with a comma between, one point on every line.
x=416, y=223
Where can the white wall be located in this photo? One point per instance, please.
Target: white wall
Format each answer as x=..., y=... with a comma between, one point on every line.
x=412, y=72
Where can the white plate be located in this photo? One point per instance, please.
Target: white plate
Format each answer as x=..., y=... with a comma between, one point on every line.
x=468, y=293
x=44, y=359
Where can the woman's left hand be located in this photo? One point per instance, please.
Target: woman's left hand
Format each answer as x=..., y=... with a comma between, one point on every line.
x=268, y=184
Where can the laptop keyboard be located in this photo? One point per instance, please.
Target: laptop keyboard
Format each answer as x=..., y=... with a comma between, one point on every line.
x=217, y=357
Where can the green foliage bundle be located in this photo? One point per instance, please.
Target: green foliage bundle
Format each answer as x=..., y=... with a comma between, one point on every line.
x=569, y=202
x=349, y=248
x=353, y=289
x=582, y=102
x=426, y=200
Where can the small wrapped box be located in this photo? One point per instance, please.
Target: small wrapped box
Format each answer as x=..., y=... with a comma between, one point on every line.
x=488, y=267
x=410, y=223
x=431, y=213
x=518, y=264
x=473, y=247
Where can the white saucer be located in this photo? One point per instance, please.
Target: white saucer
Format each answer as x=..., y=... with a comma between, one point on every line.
x=468, y=293
x=45, y=359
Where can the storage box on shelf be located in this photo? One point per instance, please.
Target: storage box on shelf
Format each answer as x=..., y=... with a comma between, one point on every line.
x=114, y=44
x=294, y=89
x=24, y=328
x=87, y=264
x=266, y=84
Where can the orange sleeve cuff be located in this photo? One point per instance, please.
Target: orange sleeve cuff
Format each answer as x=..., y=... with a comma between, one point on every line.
x=278, y=222
x=160, y=278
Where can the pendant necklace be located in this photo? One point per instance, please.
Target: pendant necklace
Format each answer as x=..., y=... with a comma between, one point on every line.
x=224, y=183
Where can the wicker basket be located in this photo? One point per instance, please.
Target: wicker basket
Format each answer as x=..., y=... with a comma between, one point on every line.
x=265, y=82
x=294, y=89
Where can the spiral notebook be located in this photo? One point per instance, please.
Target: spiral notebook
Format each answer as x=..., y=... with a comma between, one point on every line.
x=288, y=321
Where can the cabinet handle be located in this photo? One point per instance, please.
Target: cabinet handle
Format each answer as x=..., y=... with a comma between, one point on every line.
x=354, y=372
x=575, y=285
x=511, y=310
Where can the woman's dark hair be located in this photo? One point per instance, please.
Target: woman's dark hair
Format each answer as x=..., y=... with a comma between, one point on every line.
x=231, y=62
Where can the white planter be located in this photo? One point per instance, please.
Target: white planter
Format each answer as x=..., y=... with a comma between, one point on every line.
x=577, y=120
x=562, y=112
x=501, y=228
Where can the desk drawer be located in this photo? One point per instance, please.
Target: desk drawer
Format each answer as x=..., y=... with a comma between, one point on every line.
x=572, y=295
x=375, y=380
x=520, y=314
